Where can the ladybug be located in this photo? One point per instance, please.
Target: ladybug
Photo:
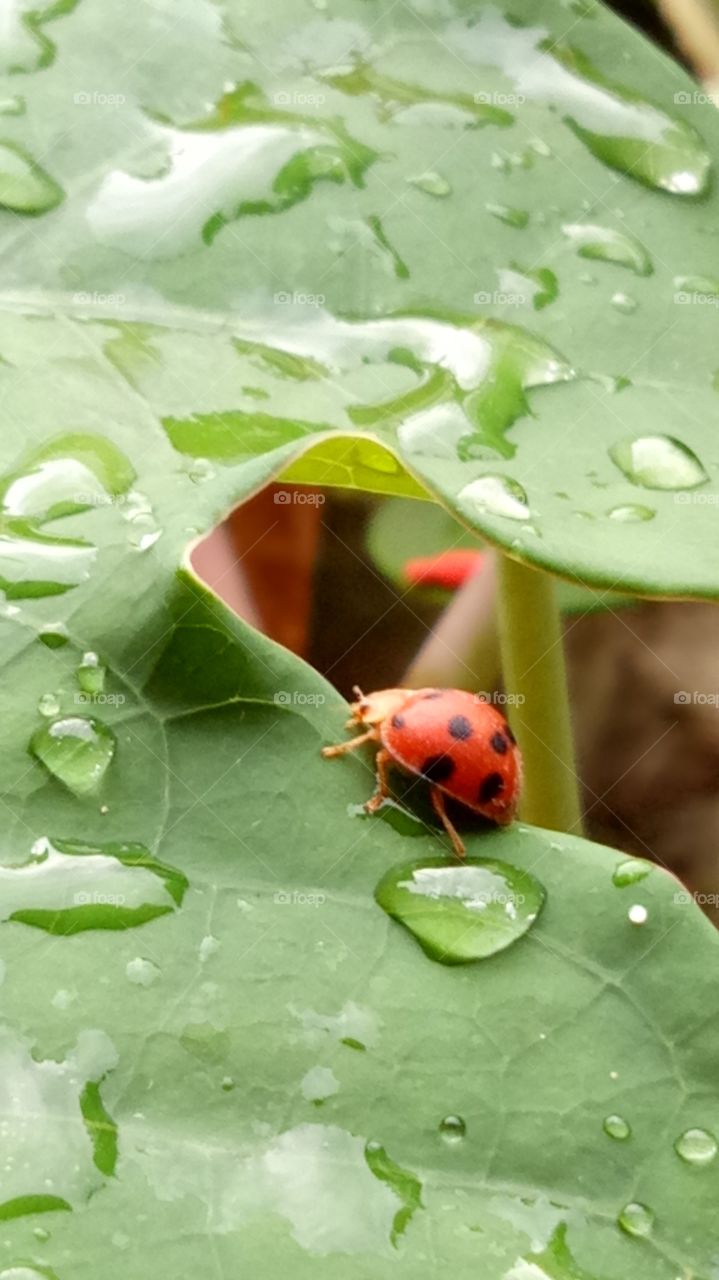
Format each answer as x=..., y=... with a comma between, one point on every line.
x=455, y=740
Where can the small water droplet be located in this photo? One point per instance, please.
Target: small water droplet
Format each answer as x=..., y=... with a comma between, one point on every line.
x=141, y=972
x=77, y=750
x=48, y=705
x=90, y=674
x=318, y=1084
x=624, y=302
x=636, y=1219
x=631, y=871
x=631, y=513
x=638, y=914
x=617, y=1127
x=200, y=470
x=606, y=245
x=208, y=947
x=452, y=1129
x=461, y=913
x=696, y=1146
x=24, y=186
x=658, y=462
x=432, y=183
x=54, y=637
x=494, y=495
x=518, y=218
x=227, y=1084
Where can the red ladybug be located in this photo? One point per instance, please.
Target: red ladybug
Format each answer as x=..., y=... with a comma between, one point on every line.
x=459, y=743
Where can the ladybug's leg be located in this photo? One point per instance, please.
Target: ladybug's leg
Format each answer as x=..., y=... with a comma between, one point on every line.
x=437, y=798
x=341, y=747
x=381, y=762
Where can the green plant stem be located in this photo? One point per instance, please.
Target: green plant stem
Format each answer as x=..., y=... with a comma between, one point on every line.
x=530, y=634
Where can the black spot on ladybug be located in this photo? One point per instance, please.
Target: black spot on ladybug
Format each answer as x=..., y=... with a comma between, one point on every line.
x=397, y=722
x=491, y=787
x=499, y=743
x=433, y=693
x=437, y=768
x=459, y=727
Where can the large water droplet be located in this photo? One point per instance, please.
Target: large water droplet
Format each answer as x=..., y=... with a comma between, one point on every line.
x=696, y=1146
x=413, y=104
x=67, y=887
x=452, y=1129
x=245, y=157
x=24, y=186
x=616, y=1127
x=636, y=1219
x=494, y=496
x=631, y=871
x=54, y=636
x=461, y=913
x=77, y=750
x=658, y=462
x=33, y=564
x=606, y=245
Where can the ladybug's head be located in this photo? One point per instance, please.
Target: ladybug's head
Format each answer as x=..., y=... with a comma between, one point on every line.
x=372, y=708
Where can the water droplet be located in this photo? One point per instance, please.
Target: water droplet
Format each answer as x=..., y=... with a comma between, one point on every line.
x=141, y=972
x=606, y=245
x=208, y=947
x=631, y=513
x=624, y=302
x=658, y=462
x=433, y=183
x=618, y=127
x=518, y=218
x=54, y=637
x=415, y=104
x=48, y=705
x=200, y=470
x=697, y=1147
x=245, y=157
x=77, y=750
x=701, y=288
x=227, y=1084
x=452, y=1129
x=90, y=674
x=638, y=914
x=461, y=913
x=494, y=495
x=538, y=285
x=631, y=871
x=319, y=1083
x=24, y=186
x=63, y=998
x=636, y=1219
x=617, y=1127
x=67, y=887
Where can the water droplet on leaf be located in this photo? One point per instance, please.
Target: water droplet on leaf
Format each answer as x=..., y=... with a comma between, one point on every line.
x=494, y=495
x=461, y=913
x=617, y=1127
x=696, y=1147
x=636, y=1219
x=658, y=462
x=77, y=750
x=452, y=1129
x=631, y=871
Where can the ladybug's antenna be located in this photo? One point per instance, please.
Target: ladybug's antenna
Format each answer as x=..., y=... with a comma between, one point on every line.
x=358, y=693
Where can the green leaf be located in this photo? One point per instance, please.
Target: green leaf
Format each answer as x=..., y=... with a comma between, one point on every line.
x=466, y=255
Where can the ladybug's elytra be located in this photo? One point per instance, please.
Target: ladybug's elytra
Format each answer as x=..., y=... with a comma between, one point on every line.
x=459, y=743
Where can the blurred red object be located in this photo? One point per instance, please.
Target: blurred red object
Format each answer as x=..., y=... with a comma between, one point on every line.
x=449, y=570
